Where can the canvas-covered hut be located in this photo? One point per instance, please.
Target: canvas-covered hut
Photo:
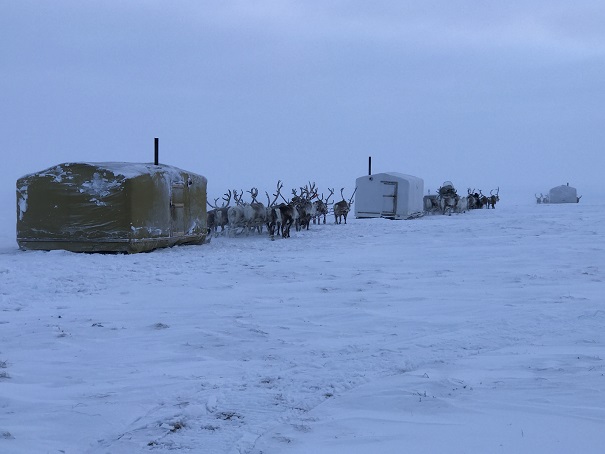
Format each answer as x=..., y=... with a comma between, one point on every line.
x=110, y=207
x=563, y=194
x=390, y=195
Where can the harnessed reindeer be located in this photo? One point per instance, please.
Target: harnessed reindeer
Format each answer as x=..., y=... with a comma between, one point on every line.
x=298, y=202
x=321, y=207
x=306, y=208
x=483, y=199
x=493, y=198
x=274, y=216
x=211, y=216
x=473, y=199
x=288, y=213
x=542, y=199
x=288, y=217
x=448, y=198
x=462, y=204
x=255, y=212
x=342, y=208
x=236, y=214
x=218, y=217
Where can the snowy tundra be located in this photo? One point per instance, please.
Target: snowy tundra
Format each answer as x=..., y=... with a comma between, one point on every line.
x=474, y=333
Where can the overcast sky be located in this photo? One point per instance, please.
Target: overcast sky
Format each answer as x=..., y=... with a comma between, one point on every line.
x=485, y=94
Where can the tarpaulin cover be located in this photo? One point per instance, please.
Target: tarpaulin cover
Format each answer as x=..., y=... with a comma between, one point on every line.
x=110, y=207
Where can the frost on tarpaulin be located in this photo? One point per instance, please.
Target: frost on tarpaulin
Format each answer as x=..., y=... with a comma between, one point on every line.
x=57, y=173
x=99, y=187
x=147, y=230
x=21, y=201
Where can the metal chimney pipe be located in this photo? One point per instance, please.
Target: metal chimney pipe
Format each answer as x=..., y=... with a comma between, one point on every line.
x=157, y=151
x=369, y=165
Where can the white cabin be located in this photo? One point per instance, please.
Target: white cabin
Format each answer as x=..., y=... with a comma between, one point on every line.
x=390, y=195
x=563, y=194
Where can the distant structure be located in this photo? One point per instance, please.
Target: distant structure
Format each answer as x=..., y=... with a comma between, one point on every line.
x=389, y=195
x=110, y=207
x=563, y=194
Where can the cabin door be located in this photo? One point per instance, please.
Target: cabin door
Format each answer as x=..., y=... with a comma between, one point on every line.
x=177, y=209
x=389, y=198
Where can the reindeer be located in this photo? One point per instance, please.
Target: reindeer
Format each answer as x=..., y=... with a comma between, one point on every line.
x=473, y=199
x=306, y=209
x=236, y=214
x=274, y=218
x=255, y=212
x=483, y=199
x=321, y=207
x=211, y=216
x=297, y=202
x=449, y=203
x=478, y=199
x=448, y=198
x=217, y=217
x=493, y=198
x=289, y=215
x=222, y=218
x=288, y=212
x=342, y=208
x=462, y=204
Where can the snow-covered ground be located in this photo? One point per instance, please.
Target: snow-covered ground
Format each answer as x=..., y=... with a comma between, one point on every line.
x=474, y=333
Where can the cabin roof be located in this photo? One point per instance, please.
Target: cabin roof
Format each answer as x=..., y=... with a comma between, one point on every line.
x=399, y=175
x=125, y=169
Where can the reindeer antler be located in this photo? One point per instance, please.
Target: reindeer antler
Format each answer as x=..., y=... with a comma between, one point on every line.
x=238, y=198
x=280, y=185
x=253, y=193
x=312, y=190
x=330, y=195
x=228, y=199
x=352, y=195
x=269, y=203
x=215, y=202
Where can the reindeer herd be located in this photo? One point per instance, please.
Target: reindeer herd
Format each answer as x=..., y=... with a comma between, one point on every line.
x=447, y=200
x=305, y=206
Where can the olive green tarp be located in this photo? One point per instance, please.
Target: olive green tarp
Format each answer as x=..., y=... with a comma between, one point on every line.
x=110, y=207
